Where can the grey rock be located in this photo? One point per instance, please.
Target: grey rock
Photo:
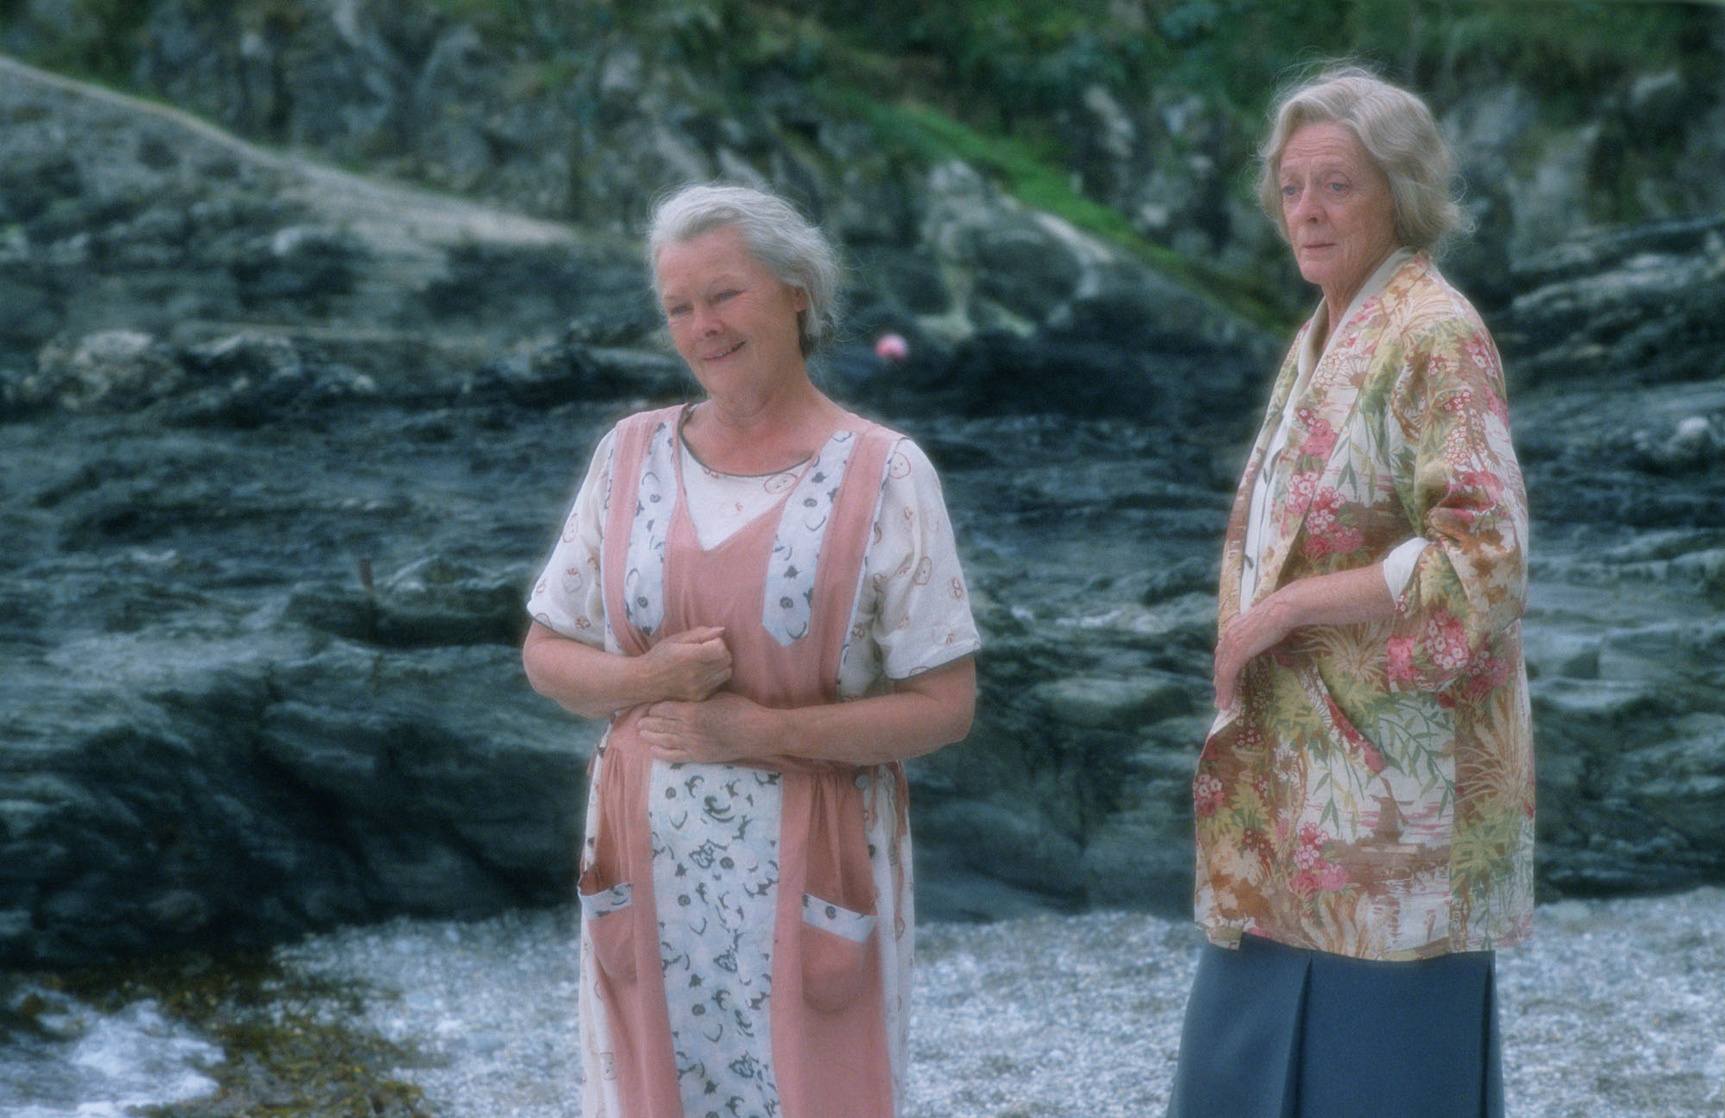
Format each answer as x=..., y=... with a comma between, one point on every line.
x=1130, y=862
x=281, y=448
x=1681, y=780
x=1007, y=842
x=1111, y=702
x=113, y=369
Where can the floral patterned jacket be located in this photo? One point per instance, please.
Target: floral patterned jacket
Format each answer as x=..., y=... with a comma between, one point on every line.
x=1371, y=792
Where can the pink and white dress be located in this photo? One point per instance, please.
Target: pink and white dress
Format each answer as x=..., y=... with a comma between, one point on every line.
x=747, y=930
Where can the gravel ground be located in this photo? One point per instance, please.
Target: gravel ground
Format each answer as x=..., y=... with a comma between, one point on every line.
x=1615, y=1011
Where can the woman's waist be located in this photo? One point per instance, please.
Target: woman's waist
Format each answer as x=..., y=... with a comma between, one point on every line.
x=624, y=741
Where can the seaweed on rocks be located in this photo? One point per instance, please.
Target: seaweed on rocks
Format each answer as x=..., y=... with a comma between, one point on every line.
x=291, y=1043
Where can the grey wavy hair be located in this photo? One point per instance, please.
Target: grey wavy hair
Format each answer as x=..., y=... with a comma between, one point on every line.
x=1399, y=135
x=790, y=246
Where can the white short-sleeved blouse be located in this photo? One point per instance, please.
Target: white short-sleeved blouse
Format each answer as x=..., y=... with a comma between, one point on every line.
x=912, y=610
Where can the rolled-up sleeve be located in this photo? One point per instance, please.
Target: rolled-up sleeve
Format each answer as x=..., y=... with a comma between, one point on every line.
x=1458, y=477
x=1399, y=564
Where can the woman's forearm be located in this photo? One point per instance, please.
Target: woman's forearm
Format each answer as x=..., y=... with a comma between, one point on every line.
x=594, y=683
x=1340, y=598
x=1348, y=597
x=920, y=715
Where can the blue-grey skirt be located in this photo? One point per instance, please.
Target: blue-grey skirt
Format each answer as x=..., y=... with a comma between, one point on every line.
x=1280, y=1032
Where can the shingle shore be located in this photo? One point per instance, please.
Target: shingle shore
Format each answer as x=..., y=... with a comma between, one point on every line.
x=1614, y=1011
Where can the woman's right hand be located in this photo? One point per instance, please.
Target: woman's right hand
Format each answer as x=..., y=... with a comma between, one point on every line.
x=691, y=665
x=594, y=683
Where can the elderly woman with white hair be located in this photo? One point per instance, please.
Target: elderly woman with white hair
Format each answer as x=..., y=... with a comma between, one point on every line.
x=760, y=591
x=1364, y=799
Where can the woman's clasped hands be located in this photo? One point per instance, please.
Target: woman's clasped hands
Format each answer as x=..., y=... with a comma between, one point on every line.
x=691, y=665
x=696, y=721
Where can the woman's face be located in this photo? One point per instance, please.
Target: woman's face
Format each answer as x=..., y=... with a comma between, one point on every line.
x=1337, y=208
x=732, y=320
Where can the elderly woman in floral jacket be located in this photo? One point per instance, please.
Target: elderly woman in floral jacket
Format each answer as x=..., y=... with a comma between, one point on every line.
x=1364, y=800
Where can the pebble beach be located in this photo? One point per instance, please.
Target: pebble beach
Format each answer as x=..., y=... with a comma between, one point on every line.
x=1613, y=1011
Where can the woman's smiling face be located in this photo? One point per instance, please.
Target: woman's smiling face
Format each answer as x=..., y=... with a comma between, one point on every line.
x=1337, y=208
x=732, y=320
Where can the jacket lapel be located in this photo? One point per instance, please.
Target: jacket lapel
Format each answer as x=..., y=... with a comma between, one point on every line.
x=1317, y=450
x=1233, y=550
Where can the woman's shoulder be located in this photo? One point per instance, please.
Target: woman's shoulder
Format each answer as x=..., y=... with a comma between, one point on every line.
x=1429, y=302
x=648, y=419
x=908, y=464
x=633, y=433
x=903, y=456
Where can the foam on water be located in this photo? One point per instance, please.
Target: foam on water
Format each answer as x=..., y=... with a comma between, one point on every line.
x=76, y=1062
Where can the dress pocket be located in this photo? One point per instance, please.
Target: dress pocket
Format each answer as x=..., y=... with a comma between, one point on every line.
x=609, y=917
x=839, y=958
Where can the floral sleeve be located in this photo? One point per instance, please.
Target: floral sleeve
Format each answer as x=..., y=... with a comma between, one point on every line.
x=1456, y=474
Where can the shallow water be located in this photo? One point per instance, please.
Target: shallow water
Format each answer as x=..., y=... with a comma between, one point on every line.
x=1613, y=1012
x=61, y=1058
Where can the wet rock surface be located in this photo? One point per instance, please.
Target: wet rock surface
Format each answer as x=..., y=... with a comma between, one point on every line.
x=275, y=476
x=220, y=730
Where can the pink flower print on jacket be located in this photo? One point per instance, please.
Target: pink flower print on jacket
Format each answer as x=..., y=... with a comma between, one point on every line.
x=1479, y=353
x=1207, y=795
x=1401, y=661
x=1325, y=532
x=1446, y=641
x=1488, y=673
x=1442, y=642
x=1479, y=482
x=1320, y=441
x=1313, y=872
x=1300, y=488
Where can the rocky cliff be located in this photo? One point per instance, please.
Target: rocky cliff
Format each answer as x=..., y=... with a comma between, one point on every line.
x=283, y=446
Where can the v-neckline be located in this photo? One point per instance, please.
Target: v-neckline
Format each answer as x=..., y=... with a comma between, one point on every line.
x=776, y=509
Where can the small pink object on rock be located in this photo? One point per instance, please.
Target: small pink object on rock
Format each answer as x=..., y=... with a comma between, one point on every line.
x=892, y=347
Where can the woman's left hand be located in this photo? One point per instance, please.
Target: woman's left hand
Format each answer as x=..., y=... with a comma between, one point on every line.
x=725, y=728
x=1244, y=636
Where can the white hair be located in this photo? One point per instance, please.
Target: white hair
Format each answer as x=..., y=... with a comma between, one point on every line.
x=787, y=244
x=1399, y=135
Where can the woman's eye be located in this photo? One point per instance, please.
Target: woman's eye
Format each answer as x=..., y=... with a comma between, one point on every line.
x=677, y=311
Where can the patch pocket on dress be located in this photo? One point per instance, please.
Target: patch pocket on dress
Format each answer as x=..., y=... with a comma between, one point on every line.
x=839, y=958
x=609, y=919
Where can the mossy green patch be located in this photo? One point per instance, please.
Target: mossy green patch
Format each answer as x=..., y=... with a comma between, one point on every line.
x=292, y=1049
x=925, y=135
